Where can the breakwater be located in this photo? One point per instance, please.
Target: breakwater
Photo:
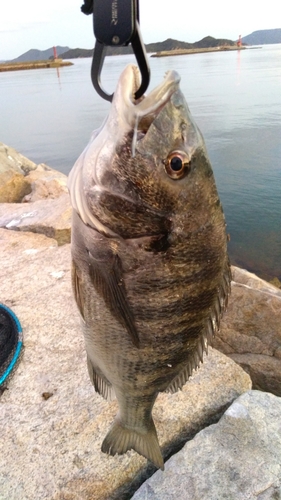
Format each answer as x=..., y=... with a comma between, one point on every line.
x=16, y=66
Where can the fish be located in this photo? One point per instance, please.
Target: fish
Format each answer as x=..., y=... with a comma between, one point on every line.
x=150, y=269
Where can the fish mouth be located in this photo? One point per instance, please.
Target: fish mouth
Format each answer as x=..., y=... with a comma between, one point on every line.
x=140, y=114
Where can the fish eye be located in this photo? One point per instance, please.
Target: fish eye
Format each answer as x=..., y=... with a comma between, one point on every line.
x=176, y=164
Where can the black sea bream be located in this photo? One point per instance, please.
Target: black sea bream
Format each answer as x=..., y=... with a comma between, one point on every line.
x=150, y=272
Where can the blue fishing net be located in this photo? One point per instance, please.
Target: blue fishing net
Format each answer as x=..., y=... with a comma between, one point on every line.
x=10, y=341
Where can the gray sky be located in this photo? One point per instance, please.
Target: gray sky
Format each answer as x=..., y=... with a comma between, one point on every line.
x=30, y=24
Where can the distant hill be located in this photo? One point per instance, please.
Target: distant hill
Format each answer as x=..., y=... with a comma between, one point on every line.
x=111, y=51
x=169, y=44
x=75, y=53
x=39, y=55
x=263, y=37
x=209, y=41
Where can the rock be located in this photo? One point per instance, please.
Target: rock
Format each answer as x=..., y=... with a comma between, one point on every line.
x=13, y=168
x=251, y=280
x=46, y=206
x=276, y=282
x=13, y=187
x=51, y=217
x=45, y=182
x=251, y=330
x=237, y=458
x=50, y=446
x=10, y=158
x=21, y=180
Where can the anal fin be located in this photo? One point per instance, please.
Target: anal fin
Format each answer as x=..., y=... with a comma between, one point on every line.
x=121, y=439
x=182, y=377
x=195, y=358
x=100, y=382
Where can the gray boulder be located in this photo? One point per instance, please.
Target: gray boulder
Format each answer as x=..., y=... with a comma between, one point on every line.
x=239, y=458
x=251, y=330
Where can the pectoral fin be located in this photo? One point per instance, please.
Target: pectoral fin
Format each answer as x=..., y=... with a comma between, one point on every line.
x=97, y=261
x=107, y=278
x=77, y=289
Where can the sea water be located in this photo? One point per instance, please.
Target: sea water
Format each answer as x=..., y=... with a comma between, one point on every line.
x=235, y=97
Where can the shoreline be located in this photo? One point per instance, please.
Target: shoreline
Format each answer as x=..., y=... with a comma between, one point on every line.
x=182, y=52
x=17, y=66
x=58, y=63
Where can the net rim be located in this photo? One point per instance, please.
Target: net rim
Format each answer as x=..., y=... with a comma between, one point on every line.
x=14, y=359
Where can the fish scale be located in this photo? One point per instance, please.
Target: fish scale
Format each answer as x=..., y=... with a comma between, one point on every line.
x=150, y=270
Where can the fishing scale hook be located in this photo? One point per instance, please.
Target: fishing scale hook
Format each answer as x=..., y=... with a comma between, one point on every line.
x=116, y=24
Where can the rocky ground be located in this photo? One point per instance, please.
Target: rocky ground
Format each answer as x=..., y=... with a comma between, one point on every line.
x=223, y=439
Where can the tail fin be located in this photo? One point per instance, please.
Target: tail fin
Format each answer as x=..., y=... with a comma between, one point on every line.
x=121, y=439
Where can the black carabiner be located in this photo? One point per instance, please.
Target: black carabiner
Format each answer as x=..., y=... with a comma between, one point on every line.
x=116, y=23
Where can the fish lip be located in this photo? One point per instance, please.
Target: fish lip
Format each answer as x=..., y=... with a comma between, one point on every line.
x=159, y=96
x=148, y=106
